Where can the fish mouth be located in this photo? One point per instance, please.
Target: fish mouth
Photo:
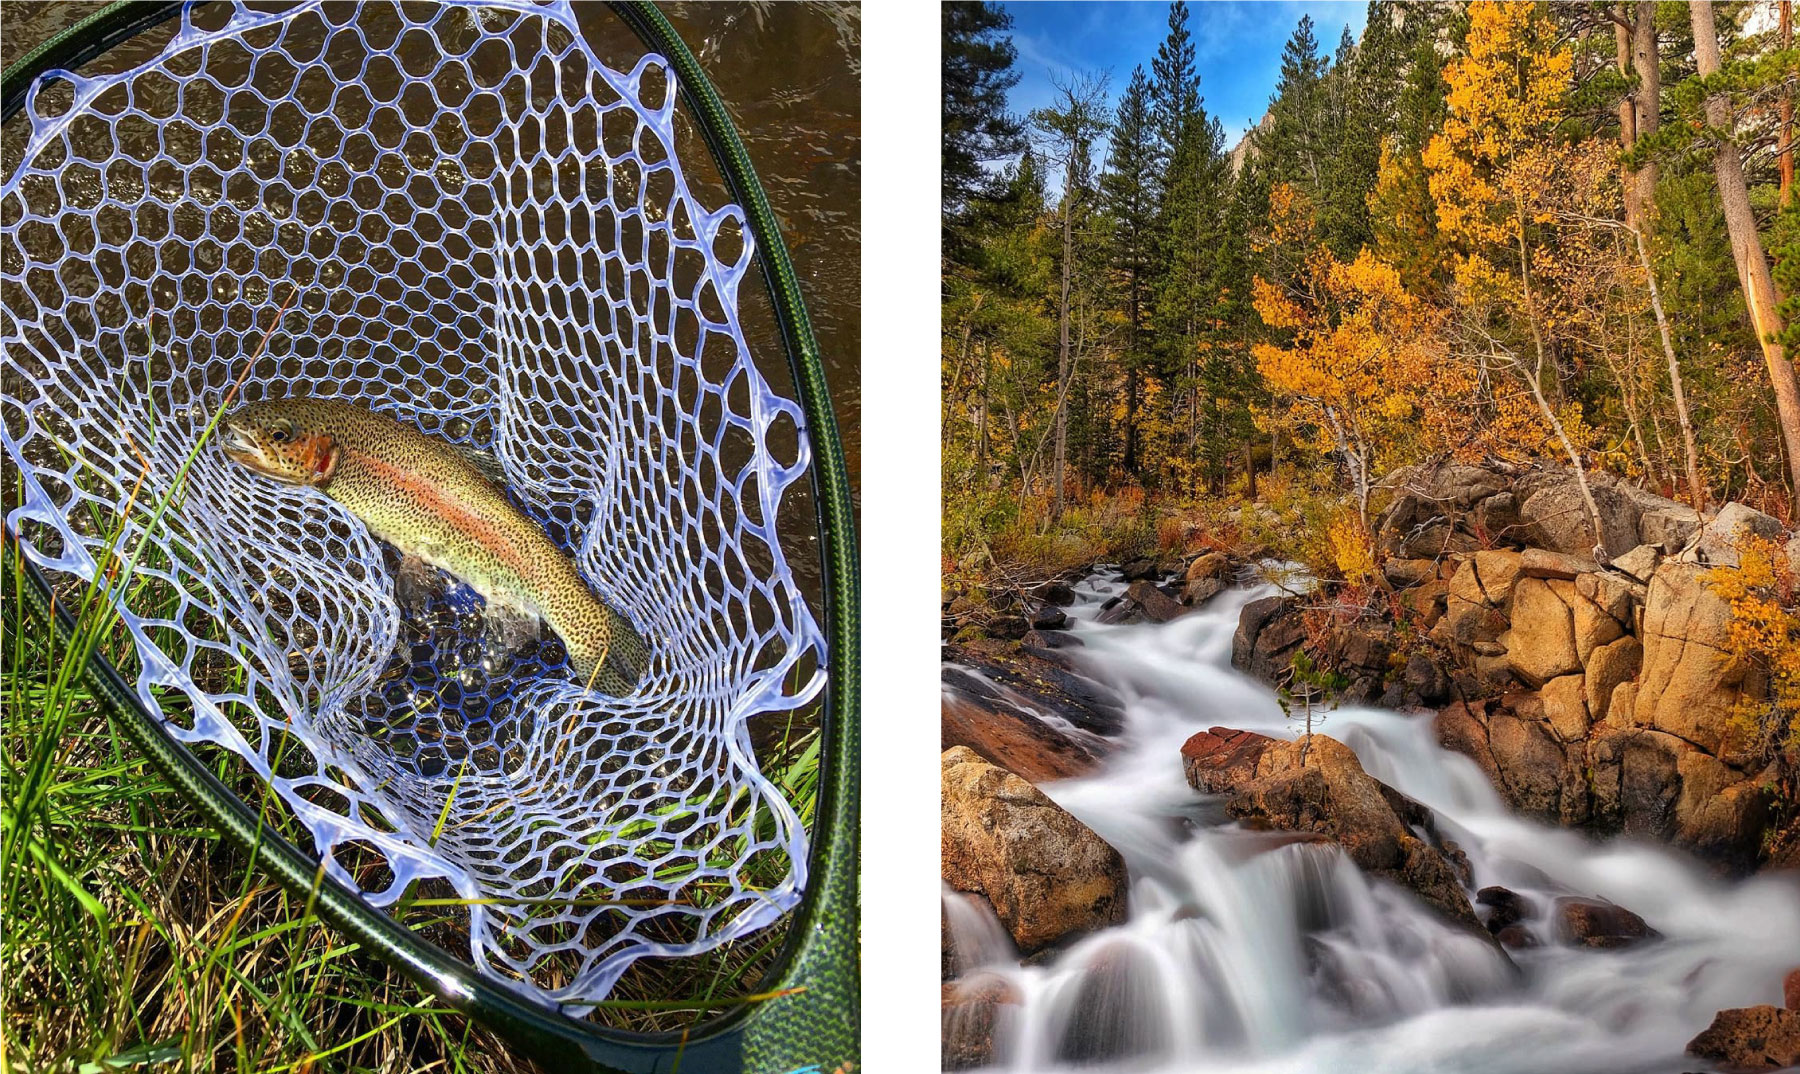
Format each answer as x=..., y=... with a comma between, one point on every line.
x=239, y=446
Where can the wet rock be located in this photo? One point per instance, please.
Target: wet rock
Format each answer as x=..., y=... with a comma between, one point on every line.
x=1319, y=786
x=1044, y=616
x=1201, y=590
x=1117, y=1012
x=1140, y=569
x=1045, y=643
x=1154, y=604
x=1516, y=938
x=1540, y=645
x=973, y=1013
x=1058, y=593
x=1640, y=562
x=1719, y=538
x=1047, y=875
x=1426, y=679
x=995, y=698
x=1511, y=740
x=1269, y=632
x=1219, y=759
x=1597, y=923
x=1610, y=666
x=1751, y=1039
x=1142, y=601
x=1207, y=565
x=1691, y=685
x=1505, y=907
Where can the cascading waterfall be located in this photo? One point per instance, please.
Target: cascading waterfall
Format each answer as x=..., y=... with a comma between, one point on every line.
x=1251, y=951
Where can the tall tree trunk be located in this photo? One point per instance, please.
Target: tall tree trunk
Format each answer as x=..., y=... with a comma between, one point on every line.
x=1746, y=244
x=1646, y=63
x=1627, y=115
x=1062, y=354
x=1133, y=315
x=981, y=422
x=1696, y=491
x=1787, y=111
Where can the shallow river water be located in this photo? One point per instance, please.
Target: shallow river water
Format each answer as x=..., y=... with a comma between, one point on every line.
x=1245, y=954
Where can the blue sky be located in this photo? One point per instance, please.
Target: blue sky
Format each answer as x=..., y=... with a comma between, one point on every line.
x=1237, y=47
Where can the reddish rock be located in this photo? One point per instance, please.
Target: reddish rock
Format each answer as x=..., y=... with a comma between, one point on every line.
x=995, y=697
x=1790, y=989
x=1220, y=759
x=1751, y=1039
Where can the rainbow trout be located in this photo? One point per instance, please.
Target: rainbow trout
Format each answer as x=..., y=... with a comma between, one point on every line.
x=430, y=500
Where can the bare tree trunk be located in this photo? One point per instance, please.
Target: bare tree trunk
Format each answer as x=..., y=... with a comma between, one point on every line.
x=1646, y=62
x=1062, y=354
x=1696, y=491
x=1627, y=115
x=1786, y=142
x=981, y=422
x=1746, y=244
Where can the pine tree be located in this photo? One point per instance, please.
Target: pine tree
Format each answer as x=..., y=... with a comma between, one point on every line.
x=977, y=72
x=1293, y=144
x=1128, y=194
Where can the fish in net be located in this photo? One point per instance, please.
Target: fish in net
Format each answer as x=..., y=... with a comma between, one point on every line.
x=459, y=216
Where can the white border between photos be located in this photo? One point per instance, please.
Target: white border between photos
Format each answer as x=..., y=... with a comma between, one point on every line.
x=900, y=560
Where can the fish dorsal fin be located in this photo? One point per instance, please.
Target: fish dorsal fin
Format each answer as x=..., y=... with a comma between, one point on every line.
x=485, y=462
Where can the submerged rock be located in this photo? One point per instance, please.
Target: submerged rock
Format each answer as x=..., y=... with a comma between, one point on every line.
x=1047, y=875
x=974, y=1011
x=1751, y=1039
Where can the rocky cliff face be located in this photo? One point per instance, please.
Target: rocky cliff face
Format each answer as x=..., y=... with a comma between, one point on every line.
x=1598, y=696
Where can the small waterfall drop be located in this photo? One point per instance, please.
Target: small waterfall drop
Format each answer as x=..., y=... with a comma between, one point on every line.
x=1250, y=952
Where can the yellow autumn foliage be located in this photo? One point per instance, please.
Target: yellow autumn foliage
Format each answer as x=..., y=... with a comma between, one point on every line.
x=1765, y=628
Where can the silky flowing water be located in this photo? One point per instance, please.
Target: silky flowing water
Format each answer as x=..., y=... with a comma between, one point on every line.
x=1245, y=951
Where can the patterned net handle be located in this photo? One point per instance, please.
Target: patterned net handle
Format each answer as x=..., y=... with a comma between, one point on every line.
x=814, y=1019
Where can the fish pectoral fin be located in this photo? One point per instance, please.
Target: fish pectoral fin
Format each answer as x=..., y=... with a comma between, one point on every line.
x=511, y=626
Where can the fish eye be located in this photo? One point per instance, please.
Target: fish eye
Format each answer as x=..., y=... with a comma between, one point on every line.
x=279, y=434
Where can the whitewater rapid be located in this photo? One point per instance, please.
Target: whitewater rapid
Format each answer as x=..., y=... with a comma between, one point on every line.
x=1248, y=953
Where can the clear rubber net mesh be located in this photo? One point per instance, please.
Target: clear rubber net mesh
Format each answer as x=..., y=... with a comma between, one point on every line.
x=477, y=227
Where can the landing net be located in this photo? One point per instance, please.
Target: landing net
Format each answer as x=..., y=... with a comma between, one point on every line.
x=478, y=227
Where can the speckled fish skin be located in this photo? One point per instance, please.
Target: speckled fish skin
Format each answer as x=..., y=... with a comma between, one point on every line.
x=429, y=500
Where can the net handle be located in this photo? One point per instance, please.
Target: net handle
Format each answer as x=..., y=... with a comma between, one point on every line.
x=814, y=1020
